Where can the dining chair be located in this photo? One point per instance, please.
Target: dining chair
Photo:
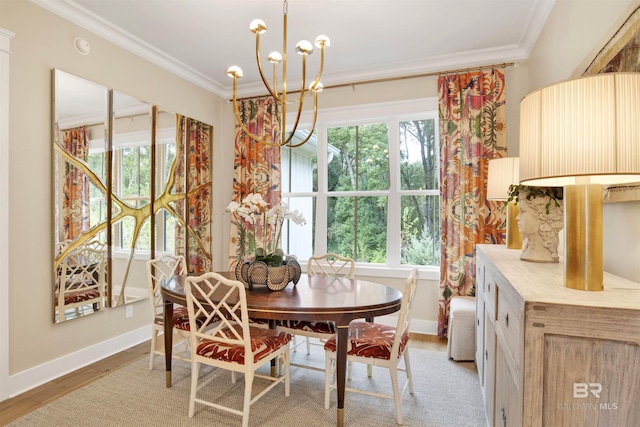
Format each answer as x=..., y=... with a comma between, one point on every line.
x=378, y=345
x=230, y=343
x=159, y=269
x=81, y=282
x=332, y=265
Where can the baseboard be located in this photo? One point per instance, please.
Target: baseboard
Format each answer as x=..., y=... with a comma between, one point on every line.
x=36, y=376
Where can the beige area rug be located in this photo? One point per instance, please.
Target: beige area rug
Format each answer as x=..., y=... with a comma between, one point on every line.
x=447, y=394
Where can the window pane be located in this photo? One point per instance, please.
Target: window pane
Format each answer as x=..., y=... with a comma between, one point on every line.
x=127, y=229
x=420, y=243
x=136, y=172
x=169, y=152
x=418, y=155
x=169, y=232
x=98, y=210
x=298, y=239
x=358, y=158
x=301, y=175
x=357, y=228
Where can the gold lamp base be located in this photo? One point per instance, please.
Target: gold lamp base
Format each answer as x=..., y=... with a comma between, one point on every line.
x=583, y=263
x=514, y=237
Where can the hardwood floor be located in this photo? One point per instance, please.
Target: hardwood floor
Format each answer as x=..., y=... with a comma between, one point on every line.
x=31, y=400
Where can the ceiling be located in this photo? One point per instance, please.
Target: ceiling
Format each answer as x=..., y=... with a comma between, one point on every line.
x=370, y=39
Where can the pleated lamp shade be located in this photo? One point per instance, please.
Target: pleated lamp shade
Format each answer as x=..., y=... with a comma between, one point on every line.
x=582, y=134
x=583, y=128
x=502, y=173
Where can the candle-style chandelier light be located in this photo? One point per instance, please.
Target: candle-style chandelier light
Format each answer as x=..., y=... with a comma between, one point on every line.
x=303, y=48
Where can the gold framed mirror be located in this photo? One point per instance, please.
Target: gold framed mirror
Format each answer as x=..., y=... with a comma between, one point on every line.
x=80, y=126
x=129, y=182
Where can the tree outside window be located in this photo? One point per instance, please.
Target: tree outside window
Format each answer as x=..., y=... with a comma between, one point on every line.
x=375, y=192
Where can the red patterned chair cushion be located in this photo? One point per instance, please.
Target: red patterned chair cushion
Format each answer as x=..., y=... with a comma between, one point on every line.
x=305, y=325
x=369, y=340
x=180, y=319
x=254, y=321
x=82, y=295
x=263, y=340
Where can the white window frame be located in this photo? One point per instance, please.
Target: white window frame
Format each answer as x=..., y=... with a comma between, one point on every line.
x=390, y=113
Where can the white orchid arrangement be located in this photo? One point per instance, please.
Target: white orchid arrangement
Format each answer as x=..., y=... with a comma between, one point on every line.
x=266, y=230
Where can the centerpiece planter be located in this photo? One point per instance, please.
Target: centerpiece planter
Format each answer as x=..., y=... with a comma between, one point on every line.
x=275, y=278
x=261, y=228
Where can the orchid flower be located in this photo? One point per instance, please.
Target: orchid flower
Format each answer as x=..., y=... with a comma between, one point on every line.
x=267, y=223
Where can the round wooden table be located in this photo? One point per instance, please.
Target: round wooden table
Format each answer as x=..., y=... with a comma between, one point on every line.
x=318, y=298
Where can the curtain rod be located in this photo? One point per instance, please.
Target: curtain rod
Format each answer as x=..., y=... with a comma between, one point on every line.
x=405, y=77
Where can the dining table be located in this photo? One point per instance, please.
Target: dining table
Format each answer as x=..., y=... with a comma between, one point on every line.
x=313, y=298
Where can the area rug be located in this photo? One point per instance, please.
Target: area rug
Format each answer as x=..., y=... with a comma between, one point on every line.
x=447, y=394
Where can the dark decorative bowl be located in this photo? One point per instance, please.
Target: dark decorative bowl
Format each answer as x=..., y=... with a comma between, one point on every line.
x=275, y=278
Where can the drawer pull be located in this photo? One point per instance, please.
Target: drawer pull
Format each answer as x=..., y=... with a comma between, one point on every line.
x=488, y=287
x=486, y=354
x=478, y=322
x=506, y=320
x=504, y=417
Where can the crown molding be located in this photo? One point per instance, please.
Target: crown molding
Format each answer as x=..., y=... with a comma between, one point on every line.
x=434, y=64
x=82, y=17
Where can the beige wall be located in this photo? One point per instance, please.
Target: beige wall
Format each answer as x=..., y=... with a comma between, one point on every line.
x=44, y=41
x=575, y=32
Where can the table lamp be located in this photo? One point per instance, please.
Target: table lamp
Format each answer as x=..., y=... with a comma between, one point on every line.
x=581, y=134
x=502, y=174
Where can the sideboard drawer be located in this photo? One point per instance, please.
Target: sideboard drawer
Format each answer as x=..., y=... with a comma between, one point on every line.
x=509, y=323
x=490, y=295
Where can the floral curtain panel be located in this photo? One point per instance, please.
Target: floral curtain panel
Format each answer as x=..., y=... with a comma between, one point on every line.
x=472, y=131
x=75, y=205
x=256, y=169
x=193, y=176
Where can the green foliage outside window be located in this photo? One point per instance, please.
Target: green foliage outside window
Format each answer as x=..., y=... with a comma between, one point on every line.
x=357, y=225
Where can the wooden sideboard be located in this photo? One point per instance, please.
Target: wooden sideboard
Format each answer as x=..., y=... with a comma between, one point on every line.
x=548, y=355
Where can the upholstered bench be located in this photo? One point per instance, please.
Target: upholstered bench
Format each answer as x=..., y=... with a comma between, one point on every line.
x=462, y=333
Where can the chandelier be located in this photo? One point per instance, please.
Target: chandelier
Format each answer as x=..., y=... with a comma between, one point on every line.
x=303, y=48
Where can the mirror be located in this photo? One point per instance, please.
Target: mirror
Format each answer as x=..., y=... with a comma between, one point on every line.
x=80, y=122
x=129, y=182
x=131, y=166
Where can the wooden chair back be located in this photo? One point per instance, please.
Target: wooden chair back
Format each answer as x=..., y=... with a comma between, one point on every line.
x=331, y=264
x=159, y=269
x=220, y=305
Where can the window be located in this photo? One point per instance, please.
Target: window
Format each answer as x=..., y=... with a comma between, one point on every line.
x=131, y=183
x=367, y=182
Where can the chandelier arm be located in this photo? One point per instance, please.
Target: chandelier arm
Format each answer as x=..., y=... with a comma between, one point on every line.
x=313, y=125
x=264, y=80
x=300, y=101
x=283, y=103
x=236, y=112
x=275, y=79
x=315, y=82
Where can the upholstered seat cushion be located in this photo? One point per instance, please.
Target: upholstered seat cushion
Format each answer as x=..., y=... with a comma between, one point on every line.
x=259, y=322
x=81, y=295
x=369, y=340
x=328, y=328
x=263, y=343
x=180, y=319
